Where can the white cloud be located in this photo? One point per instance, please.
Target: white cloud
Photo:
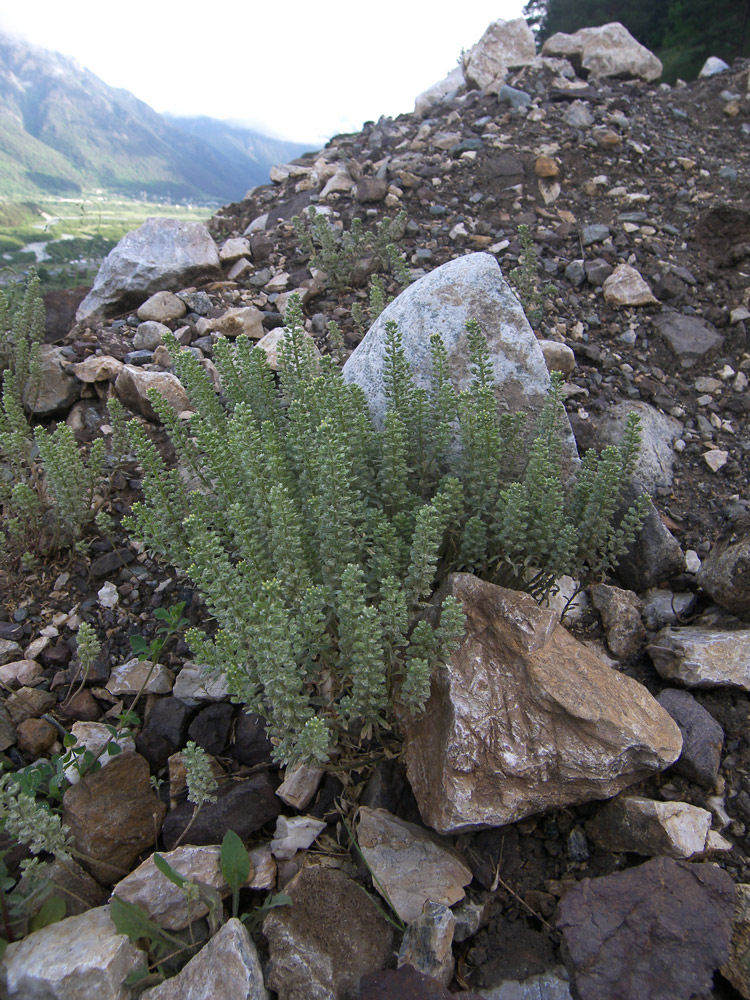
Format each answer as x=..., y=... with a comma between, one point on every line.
x=297, y=69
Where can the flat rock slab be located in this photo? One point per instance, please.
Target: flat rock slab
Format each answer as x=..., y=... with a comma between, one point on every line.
x=470, y=287
x=326, y=940
x=228, y=967
x=657, y=931
x=689, y=337
x=410, y=863
x=524, y=718
x=79, y=958
x=161, y=255
x=703, y=657
x=162, y=900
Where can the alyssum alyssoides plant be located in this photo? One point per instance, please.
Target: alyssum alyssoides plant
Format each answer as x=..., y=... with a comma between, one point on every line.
x=316, y=539
x=47, y=488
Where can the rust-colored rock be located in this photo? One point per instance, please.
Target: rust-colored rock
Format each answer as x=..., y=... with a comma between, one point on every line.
x=114, y=815
x=546, y=166
x=524, y=718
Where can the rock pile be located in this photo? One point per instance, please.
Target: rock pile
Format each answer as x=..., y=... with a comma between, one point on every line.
x=549, y=764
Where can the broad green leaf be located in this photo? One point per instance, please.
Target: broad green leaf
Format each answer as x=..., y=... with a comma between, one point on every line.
x=132, y=921
x=235, y=861
x=52, y=910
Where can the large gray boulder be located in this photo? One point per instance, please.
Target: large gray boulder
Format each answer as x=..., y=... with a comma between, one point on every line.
x=505, y=45
x=470, y=287
x=162, y=254
x=609, y=50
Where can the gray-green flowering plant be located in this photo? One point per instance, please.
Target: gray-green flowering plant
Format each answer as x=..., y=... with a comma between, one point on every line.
x=339, y=253
x=48, y=486
x=316, y=540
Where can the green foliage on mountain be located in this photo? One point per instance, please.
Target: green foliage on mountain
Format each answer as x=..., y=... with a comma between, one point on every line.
x=683, y=33
x=63, y=131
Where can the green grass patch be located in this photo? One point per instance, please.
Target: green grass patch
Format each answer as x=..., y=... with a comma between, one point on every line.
x=96, y=222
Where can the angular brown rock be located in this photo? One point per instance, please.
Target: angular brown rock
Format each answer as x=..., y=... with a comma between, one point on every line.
x=524, y=718
x=328, y=938
x=114, y=815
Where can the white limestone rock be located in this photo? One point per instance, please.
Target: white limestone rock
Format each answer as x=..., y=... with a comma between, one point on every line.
x=228, y=967
x=78, y=958
x=94, y=736
x=505, y=45
x=295, y=833
x=607, y=51
x=445, y=88
x=195, y=684
x=411, y=863
x=129, y=677
x=712, y=66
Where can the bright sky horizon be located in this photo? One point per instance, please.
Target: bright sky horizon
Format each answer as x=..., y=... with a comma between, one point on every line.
x=296, y=70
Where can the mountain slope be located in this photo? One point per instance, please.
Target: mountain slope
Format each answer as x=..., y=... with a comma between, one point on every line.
x=62, y=129
x=235, y=140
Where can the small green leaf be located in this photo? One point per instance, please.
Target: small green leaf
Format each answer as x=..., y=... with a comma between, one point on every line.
x=168, y=871
x=52, y=910
x=139, y=644
x=235, y=861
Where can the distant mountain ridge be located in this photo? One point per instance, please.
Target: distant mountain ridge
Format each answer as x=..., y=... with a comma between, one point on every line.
x=64, y=131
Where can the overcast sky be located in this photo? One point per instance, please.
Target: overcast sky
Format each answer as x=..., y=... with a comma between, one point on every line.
x=298, y=69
